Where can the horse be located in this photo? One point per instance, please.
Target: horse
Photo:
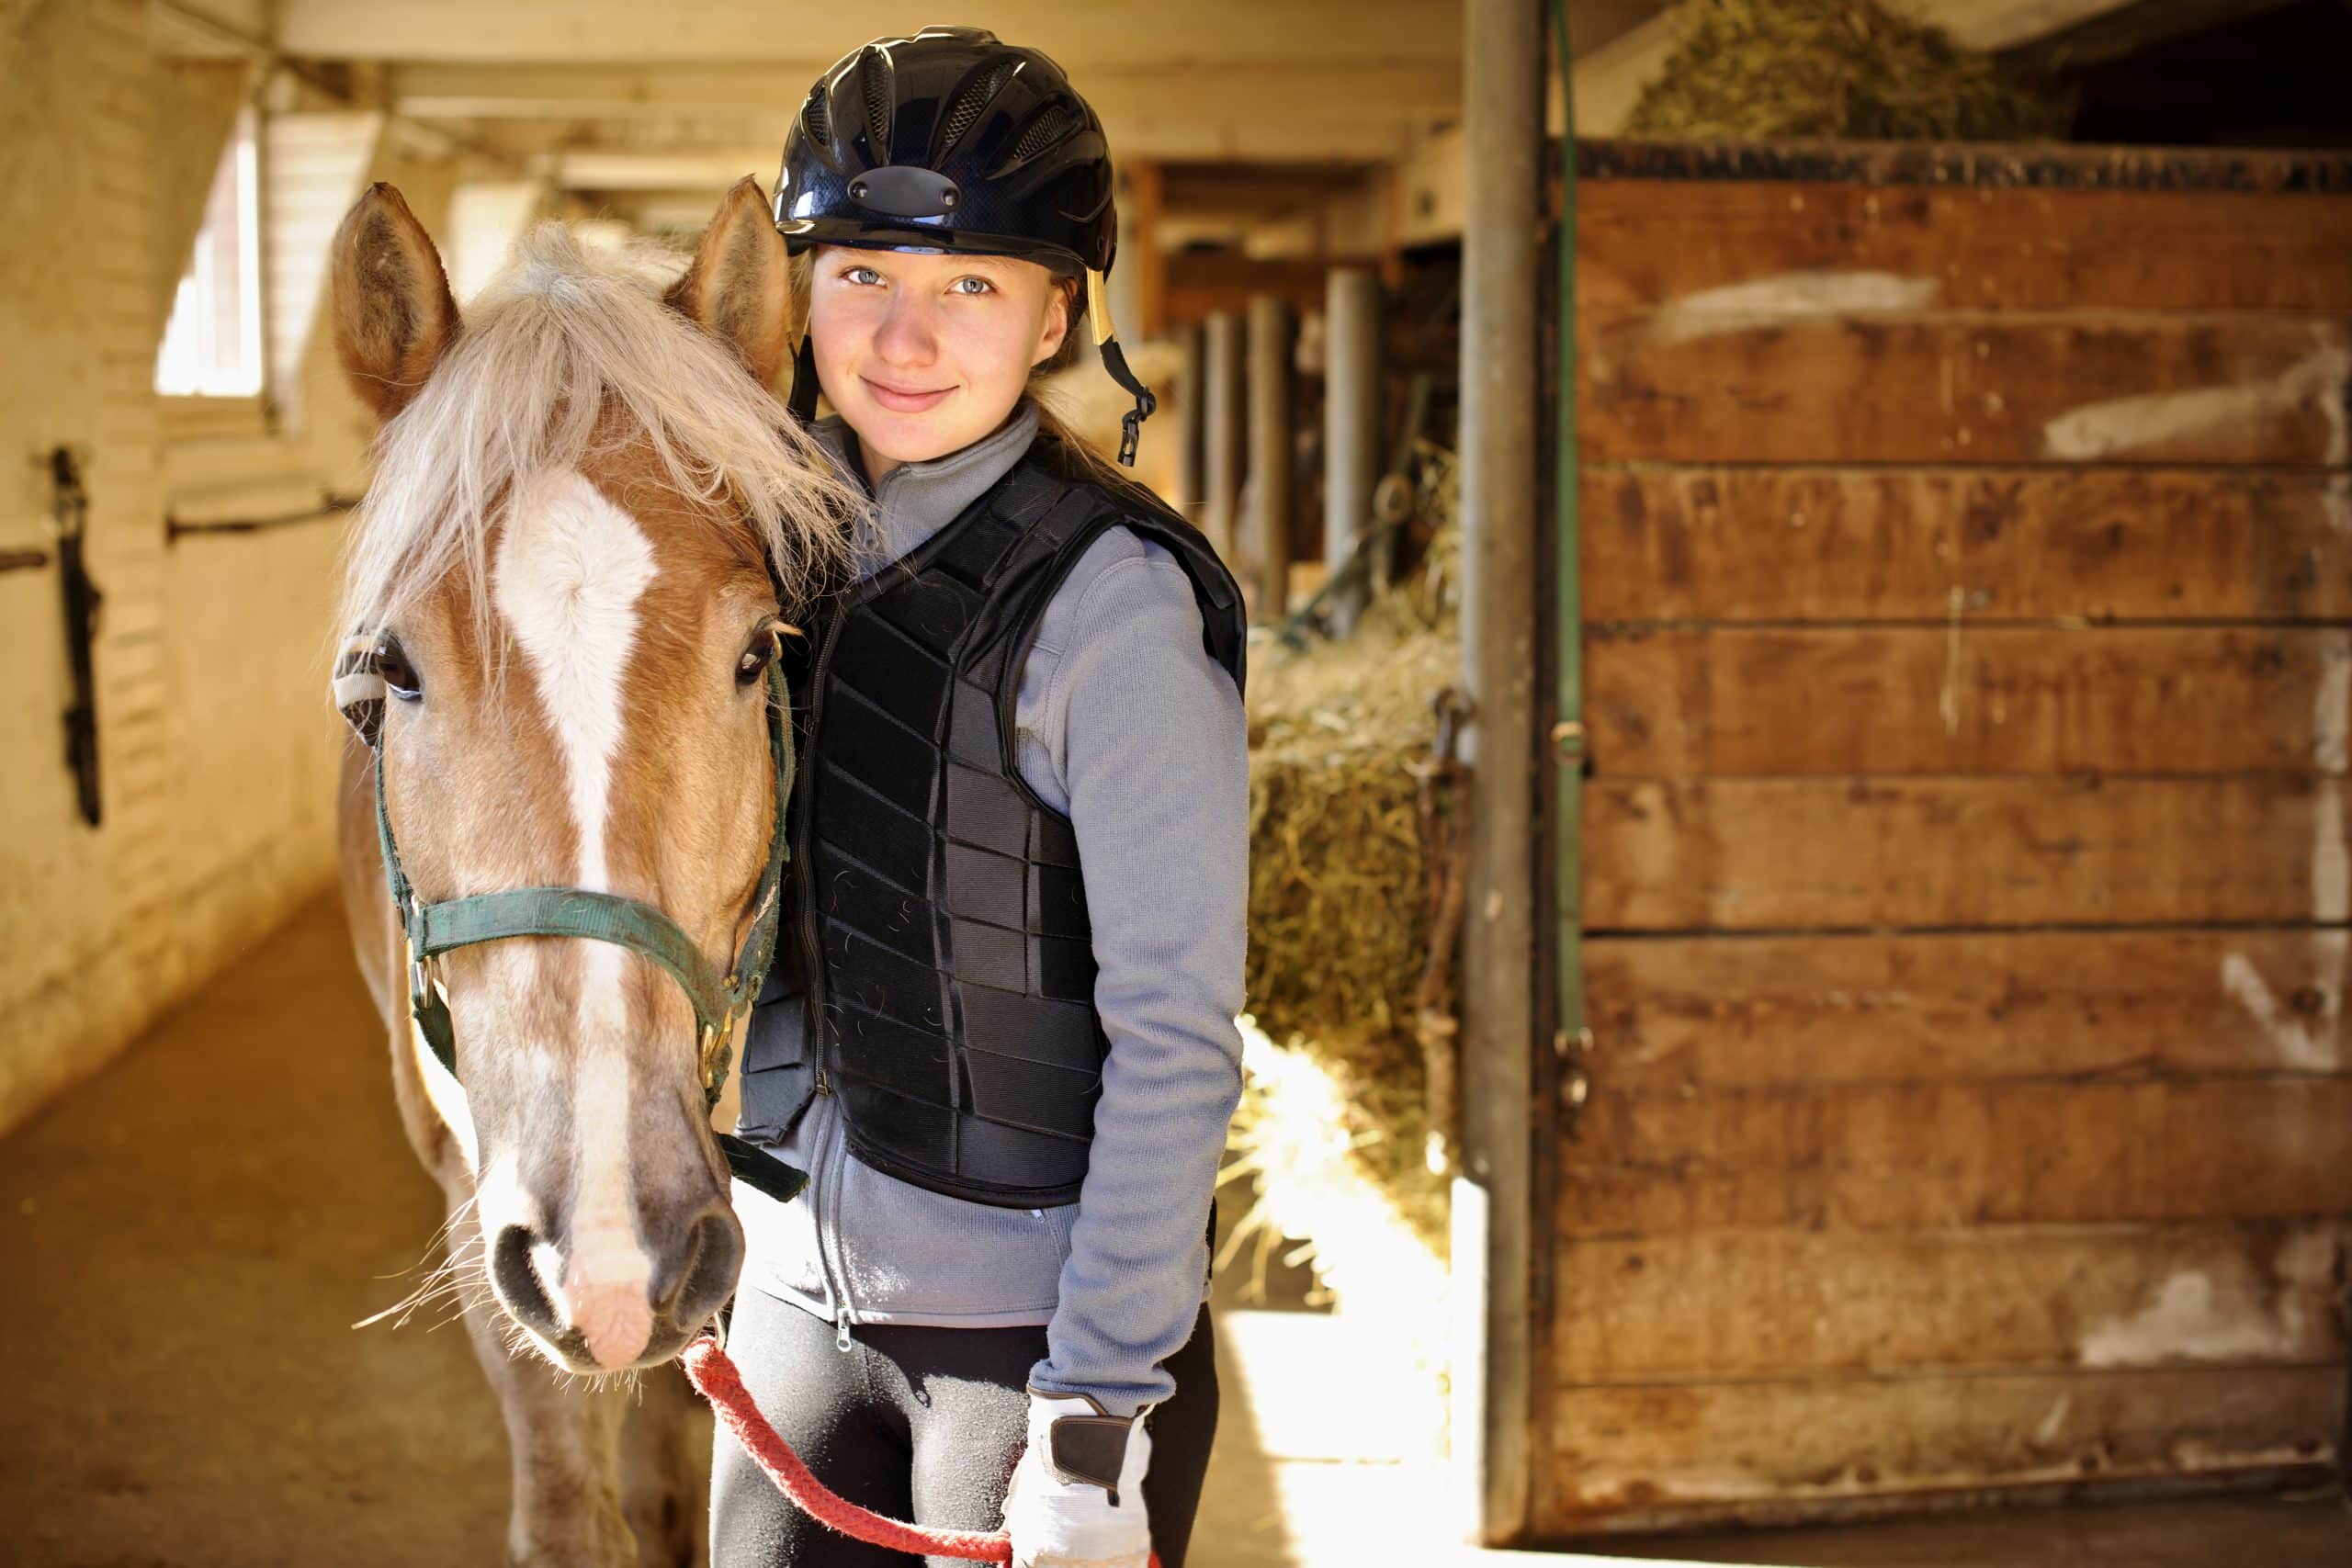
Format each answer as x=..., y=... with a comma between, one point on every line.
x=570, y=580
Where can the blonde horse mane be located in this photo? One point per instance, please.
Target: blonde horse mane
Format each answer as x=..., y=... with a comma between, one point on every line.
x=560, y=341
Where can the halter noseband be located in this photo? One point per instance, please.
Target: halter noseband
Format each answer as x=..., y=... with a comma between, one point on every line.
x=432, y=930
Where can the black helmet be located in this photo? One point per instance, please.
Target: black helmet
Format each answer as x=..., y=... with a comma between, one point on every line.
x=952, y=140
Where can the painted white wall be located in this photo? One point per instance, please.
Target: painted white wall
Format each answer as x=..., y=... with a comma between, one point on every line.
x=217, y=744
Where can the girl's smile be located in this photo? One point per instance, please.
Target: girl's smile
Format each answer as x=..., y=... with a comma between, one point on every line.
x=904, y=399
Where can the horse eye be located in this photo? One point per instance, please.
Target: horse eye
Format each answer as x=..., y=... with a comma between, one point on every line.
x=765, y=644
x=400, y=676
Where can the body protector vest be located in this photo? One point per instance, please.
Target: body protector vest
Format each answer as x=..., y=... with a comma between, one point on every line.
x=944, y=962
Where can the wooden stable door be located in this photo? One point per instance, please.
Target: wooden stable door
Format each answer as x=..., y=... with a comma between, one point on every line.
x=1967, y=559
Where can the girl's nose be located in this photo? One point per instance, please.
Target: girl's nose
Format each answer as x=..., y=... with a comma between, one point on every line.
x=907, y=337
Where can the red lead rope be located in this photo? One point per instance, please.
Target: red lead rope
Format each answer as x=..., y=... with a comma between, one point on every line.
x=716, y=1379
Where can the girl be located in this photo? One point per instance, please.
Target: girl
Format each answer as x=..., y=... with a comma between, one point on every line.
x=1000, y=1035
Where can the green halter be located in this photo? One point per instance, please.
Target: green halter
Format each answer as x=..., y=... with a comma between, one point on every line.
x=432, y=930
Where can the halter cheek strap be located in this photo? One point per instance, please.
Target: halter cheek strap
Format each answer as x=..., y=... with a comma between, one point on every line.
x=431, y=930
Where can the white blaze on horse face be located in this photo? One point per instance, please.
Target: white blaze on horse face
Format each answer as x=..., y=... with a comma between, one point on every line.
x=571, y=567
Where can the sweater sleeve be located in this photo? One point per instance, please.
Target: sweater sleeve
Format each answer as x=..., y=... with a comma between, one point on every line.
x=1156, y=759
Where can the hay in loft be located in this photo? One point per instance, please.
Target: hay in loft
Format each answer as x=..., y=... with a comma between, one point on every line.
x=1341, y=735
x=1764, y=70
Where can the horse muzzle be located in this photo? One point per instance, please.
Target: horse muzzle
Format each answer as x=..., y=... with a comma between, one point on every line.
x=597, y=1304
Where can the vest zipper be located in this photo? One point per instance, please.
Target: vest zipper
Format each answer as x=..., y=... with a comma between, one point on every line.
x=813, y=970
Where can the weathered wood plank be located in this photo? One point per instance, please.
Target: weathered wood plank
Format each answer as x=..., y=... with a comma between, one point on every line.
x=1759, y=854
x=1946, y=1155
x=1866, y=377
x=1785, y=1303
x=1798, y=544
x=1631, y=1457
x=1702, y=1014
x=1729, y=702
x=1653, y=242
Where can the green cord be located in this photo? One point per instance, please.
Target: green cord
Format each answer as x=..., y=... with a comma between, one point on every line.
x=1569, y=739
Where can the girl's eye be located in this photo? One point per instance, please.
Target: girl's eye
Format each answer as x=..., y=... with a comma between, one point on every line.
x=979, y=286
x=860, y=275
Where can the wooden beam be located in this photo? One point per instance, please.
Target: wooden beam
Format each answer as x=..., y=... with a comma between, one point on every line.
x=714, y=170
x=1083, y=35
x=1373, y=92
x=1225, y=142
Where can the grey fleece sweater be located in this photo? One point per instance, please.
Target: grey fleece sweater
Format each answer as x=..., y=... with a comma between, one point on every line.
x=1127, y=725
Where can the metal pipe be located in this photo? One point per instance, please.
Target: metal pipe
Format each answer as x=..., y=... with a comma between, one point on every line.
x=1352, y=435
x=1222, y=409
x=1193, y=424
x=1272, y=335
x=1494, y=1211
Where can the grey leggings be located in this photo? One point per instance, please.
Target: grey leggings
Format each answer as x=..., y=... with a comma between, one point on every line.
x=922, y=1423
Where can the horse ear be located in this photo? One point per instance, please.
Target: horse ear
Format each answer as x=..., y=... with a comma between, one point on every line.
x=738, y=288
x=394, y=316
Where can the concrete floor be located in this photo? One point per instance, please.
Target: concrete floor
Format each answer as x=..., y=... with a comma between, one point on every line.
x=190, y=1236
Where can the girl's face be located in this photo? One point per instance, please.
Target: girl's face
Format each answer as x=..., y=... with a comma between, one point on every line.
x=923, y=353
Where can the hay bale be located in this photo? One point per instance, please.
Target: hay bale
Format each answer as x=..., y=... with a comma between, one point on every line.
x=1762, y=70
x=1341, y=735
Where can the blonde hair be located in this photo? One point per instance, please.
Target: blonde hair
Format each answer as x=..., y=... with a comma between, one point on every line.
x=560, y=341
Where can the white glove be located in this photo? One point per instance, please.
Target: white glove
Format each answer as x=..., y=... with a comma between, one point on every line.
x=1076, y=1500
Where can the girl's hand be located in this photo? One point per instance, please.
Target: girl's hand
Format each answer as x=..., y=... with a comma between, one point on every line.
x=1076, y=1500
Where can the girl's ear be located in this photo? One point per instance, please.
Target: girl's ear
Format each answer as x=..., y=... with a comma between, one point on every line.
x=1061, y=303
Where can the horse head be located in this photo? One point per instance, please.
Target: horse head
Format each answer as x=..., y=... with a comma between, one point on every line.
x=588, y=524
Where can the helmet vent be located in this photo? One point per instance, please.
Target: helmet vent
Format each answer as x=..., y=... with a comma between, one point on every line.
x=815, y=120
x=1052, y=124
x=875, y=78
x=975, y=97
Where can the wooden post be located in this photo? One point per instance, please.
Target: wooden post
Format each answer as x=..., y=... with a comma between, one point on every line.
x=1191, y=425
x=1222, y=408
x=1494, y=1218
x=1350, y=433
x=1272, y=333
x=1128, y=280
x=1140, y=255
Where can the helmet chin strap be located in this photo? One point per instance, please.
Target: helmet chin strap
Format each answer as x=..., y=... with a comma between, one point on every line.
x=1114, y=360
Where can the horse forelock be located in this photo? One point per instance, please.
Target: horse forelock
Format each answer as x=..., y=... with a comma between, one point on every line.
x=566, y=355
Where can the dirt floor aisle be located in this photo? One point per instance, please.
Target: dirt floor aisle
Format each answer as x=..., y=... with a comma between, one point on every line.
x=190, y=1237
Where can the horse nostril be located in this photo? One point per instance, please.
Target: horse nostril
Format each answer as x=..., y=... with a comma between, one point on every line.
x=700, y=1272
x=518, y=1283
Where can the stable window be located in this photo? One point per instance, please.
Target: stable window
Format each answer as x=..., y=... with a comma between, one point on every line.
x=212, y=343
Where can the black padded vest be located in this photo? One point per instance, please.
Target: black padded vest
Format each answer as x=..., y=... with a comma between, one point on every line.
x=939, y=933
